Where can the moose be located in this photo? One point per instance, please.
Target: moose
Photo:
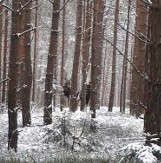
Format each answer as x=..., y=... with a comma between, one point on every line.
x=67, y=91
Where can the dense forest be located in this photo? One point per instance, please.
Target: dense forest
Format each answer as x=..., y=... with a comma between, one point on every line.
x=76, y=65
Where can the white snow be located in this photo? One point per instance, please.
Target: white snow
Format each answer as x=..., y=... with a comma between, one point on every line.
x=114, y=131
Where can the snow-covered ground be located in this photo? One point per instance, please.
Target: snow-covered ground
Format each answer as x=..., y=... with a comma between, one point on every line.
x=72, y=135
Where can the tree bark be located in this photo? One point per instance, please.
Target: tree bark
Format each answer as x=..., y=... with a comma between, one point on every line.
x=27, y=68
x=152, y=119
x=74, y=79
x=36, y=36
x=96, y=56
x=137, y=85
x=124, y=69
x=85, y=50
x=5, y=56
x=1, y=34
x=51, y=64
x=113, y=78
x=62, y=98
x=14, y=72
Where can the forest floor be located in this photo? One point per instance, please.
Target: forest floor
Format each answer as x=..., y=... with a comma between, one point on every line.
x=72, y=136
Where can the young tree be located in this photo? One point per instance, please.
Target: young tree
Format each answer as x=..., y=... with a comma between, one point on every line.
x=51, y=64
x=96, y=56
x=74, y=79
x=113, y=78
x=152, y=118
x=85, y=49
x=137, y=84
x=124, y=69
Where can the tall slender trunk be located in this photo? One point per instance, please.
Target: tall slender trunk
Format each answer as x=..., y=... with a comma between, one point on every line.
x=85, y=50
x=14, y=73
x=1, y=28
x=62, y=98
x=137, y=85
x=27, y=68
x=36, y=36
x=96, y=56
x=113, y=78
x=152, y=118
x=51, y=64
x=5, y=56
x=74, y=80
x=124, y=69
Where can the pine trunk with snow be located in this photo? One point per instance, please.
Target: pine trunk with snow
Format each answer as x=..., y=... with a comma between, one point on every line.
x=113, y=77
x=96, y=56
x=137, y=84
x=74, y=78
x=51, y=64
x=152, y=119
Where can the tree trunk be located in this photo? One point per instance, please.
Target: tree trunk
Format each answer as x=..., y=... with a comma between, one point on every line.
x=36, y=36
x=62, y=98
x=51, y=64
x=14, y=72
x=5, y=56
x=113, y=78
x=124, y=69
x=27, y=69
x=1, y=28
x=96, y=56
x=137, y=85
x=74, y=79
x=85, y=50
x=152, y=119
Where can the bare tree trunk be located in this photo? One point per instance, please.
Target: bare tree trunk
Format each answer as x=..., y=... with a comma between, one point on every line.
x=36, y=36
x=1, y=28
x=27, y=68
x=5, y=56
x=85, y=50
x=96, y=57
x=74, y=80
x=14, y=71
x=51, y=64
x=113, y=78
x=137, y=85
x=124, y=69
x=152, y=119
x=62, y=98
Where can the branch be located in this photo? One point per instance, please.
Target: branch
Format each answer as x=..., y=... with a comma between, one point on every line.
x=24, y=5
x=29, y=30
x=7, y=7
x=134, y=34
x=4, y=80
x=61, y=7
x=133, y=65
x=148, y=2
x=39, y=4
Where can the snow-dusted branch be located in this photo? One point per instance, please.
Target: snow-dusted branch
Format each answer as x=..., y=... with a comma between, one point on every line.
x=7, y=7
x=39, y=4
x=22, y=7
x=4, y=80
x=133, y=65
x=149, y=2
x=139, y=38
x=29, y=30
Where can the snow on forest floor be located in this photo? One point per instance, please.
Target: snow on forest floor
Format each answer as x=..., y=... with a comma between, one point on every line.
x=72, y=135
